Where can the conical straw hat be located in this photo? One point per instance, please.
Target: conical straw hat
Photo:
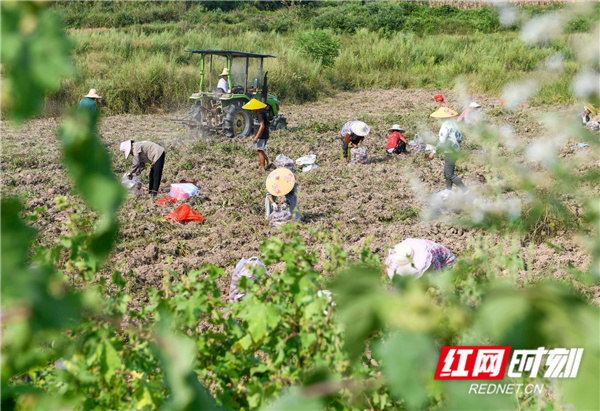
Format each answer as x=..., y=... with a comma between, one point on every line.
x=254, y=104
x=443, y=112
x=280, y=182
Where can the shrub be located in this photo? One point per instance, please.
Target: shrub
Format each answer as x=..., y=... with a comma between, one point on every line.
x=319, y=45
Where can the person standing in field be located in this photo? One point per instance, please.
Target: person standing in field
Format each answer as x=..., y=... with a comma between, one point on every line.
x=88, y=102
x=353, y=133
x=450, y=140
x=472, y=115
x=262, y=135
x=223, y=83
x=145, y=152
x=396, y=141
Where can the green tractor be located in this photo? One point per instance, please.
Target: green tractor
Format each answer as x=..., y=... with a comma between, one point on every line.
x=220, y=110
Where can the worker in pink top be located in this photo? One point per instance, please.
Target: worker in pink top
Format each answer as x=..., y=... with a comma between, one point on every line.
x=396, y=141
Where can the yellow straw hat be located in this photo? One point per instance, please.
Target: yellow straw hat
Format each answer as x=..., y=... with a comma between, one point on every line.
x=443, y=112
x=254, y=104
x=590, y=107
x=280, y=182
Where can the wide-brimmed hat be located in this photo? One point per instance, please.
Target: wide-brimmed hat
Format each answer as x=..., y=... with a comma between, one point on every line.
x=590, y=106
x=397, y=127
x=474, y=104
x=407, y=258
x=360, y=129
x=225, y=72
x=93, y=94
x=254, y=104
x=280, y=182
x=126, y=147
x=443, y=112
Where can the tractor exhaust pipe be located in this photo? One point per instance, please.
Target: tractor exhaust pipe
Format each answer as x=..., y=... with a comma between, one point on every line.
x=265, y=90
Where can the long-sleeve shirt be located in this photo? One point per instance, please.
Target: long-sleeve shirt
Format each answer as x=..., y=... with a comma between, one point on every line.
x=144, y=152
x=450, y=137
x=87, y=104
x=222, y=84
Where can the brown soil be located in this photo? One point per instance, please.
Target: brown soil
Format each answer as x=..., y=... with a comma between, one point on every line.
x=378, y=200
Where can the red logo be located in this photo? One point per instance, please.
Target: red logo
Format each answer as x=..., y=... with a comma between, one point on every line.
x=472, y=363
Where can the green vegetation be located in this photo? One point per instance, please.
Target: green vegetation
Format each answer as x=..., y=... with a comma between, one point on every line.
x=70, y=339
x=133, y=52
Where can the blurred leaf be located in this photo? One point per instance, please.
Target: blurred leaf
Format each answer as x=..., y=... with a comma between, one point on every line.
x=360, y=299
x=408, y=361
x=35, y=57
x=110, y=360
x=293, y=400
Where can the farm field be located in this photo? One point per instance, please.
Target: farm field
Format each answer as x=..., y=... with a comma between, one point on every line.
x=108, y=305
x=383, y=202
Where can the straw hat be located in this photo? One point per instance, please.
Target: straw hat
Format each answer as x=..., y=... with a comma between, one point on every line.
x=254, y=104
x=280, y=182
x=408, y=258
x=360, y=129
x=126, y=148
x=443, y=112
x=397, y=127
x=225, y=72
x=474, y=105
x=590, y=106
x=92, y=94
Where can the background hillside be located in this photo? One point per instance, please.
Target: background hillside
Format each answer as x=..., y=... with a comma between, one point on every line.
x=133, y=52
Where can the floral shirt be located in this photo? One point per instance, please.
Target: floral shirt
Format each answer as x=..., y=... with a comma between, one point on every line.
x=441, y=257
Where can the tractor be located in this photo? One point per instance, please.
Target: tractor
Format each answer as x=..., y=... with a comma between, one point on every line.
x=218, y=110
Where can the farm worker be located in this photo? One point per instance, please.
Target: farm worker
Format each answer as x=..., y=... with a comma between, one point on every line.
x=281, y=182
x=414, y=256
x=353, y=133
x=450, y=139
x=587, y=110
x=146, y=152
x=223, y=84
x=88, y=102
x=471, y=115
x=396, y=141
x=262, y=135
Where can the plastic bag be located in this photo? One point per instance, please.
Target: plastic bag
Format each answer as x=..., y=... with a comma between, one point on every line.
x=184, y=213
x=358, y=155
x=166, y=200
x=183, y=191
x=133, y=185
x=279, y=218
x=306, y=160
x=282, y=161
x=309, y=167
x=243, y=269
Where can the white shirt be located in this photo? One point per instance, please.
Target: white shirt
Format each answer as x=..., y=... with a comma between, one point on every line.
x=450, y=137
x=223, y=84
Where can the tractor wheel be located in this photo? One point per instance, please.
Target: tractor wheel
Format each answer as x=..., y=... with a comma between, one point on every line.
x=195, y=115
x=237, y=122
x=279, y=123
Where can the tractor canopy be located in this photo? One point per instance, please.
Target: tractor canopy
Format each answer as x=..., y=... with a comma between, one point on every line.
x=245, y=70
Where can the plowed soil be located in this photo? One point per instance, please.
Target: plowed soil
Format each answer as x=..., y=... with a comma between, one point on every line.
x=383, y=200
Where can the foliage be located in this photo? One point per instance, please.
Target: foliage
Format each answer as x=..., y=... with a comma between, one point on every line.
x=320, y=46
x=285, y=345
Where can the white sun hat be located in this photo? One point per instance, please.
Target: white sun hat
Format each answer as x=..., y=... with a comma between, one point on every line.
x=360, y=129
x=93, y=94
x=126, y=148
x=474, y=105
x=397, y=127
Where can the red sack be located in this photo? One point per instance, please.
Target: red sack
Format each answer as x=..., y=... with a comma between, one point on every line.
x=166, y=200
x=439, y=98
x=185, y=213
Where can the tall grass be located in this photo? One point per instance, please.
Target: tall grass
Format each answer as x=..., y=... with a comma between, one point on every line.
x=142, y=67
